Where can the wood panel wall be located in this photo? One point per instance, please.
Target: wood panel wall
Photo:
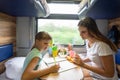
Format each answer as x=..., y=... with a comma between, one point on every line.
x=7, y=30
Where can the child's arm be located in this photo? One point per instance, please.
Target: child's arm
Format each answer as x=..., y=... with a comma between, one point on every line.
x=51, y=69
x=30, y=73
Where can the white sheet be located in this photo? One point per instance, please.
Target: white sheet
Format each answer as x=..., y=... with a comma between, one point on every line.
x=13, y=69
x=3, y=77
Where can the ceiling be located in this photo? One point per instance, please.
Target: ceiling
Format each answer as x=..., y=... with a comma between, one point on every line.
x=102, y=9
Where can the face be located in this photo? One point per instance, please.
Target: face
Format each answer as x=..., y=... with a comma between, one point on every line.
x=83, y=32
x=42, y=44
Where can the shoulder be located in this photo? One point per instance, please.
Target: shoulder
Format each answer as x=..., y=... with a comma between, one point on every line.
x=104, y=49
x=34, y=53
x=102, y=45
x=34, y=50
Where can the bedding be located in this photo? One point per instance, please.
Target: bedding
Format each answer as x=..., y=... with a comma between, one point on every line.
x=13, y=68
x=10, y=67
x=6, y=51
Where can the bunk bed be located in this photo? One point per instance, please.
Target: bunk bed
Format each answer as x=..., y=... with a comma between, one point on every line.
x=10, y=66
x=27, y=8
x=100, y=9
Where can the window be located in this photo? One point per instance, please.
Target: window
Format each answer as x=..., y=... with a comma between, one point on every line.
x=62, y=31
x=61, y=24
x=59, y=8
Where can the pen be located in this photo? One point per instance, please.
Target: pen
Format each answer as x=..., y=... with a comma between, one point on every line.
x=54, y=60
x=45, y=63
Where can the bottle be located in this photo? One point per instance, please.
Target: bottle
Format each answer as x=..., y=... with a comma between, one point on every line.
x=54, y=51
x=51, y=43
x=50, y=48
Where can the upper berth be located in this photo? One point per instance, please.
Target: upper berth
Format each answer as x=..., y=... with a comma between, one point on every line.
x=100, y=9
x=33, y=8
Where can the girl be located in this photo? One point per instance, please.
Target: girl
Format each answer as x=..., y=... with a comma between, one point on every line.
x=30, y=71
x=100, y=52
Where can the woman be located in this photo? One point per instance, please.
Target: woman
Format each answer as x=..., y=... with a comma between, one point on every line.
x=30, y=67
x=100, y=52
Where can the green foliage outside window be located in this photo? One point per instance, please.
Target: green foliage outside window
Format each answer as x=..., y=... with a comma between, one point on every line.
x=62, y=34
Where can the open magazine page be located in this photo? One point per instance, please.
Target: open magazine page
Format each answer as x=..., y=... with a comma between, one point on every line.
x=64, y=64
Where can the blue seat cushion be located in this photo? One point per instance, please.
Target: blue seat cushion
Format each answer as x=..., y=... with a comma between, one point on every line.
x=6, y=51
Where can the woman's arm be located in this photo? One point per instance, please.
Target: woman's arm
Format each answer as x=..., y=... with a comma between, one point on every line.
x=107, y=62
x=30, y=73
x=86, y=60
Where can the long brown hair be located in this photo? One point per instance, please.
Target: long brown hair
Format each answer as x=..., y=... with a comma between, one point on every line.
x=42, y=36
x=92, y=28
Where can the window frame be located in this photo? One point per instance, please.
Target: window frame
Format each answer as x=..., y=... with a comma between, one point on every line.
x=62, y=17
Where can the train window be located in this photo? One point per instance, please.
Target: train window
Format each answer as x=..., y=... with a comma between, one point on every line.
x=63, y=8
x=61, y=24
x=62, y=31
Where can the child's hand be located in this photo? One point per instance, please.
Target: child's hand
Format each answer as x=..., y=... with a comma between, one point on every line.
x=54, y=68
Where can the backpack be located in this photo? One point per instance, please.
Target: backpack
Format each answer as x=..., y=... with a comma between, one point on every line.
x=114, y=34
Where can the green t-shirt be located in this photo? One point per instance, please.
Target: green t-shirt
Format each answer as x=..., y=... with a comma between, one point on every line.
x=33, y=53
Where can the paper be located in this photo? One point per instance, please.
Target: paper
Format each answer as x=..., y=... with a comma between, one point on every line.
x=64, y=65
x=51, y=60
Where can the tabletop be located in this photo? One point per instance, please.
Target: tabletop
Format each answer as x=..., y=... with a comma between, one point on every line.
x=67, y=71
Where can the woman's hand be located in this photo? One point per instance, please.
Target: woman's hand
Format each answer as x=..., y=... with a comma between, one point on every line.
x=77, y=60
x=54, y=68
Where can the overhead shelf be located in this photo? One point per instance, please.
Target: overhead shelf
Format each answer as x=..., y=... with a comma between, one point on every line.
x=85, y=5
x=102, y=9
x=33, y=8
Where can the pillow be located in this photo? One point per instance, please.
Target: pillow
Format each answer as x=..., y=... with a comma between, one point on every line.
x=14, y=68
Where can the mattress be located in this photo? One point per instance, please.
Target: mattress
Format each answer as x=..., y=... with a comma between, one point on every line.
x=3, y=77
x=13, y=69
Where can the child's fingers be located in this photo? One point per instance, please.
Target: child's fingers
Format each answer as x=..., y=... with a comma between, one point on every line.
x=57, y=65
